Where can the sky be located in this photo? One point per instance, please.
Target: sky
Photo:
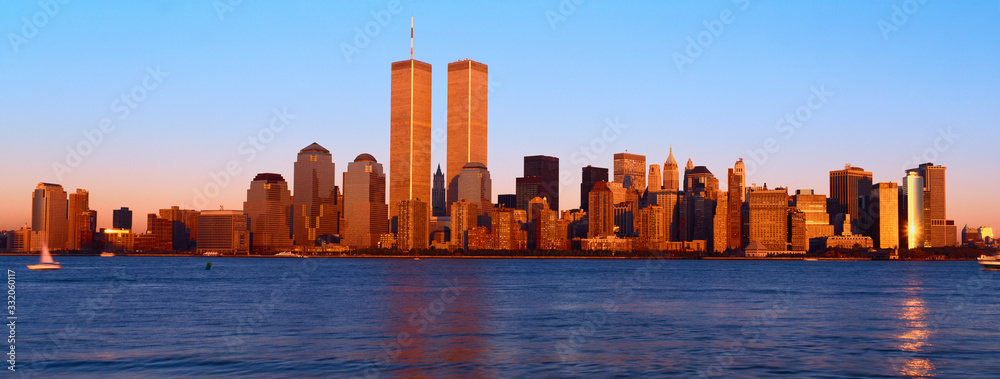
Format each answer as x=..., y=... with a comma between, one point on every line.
x=158, y=103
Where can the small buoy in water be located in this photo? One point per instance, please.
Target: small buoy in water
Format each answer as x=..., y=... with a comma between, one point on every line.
x=208, y=266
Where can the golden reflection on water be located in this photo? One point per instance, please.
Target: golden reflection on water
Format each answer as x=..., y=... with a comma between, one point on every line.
x=433, y=321
x=914, y=338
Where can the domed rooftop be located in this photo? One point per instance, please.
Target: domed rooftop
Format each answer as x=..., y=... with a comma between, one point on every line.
x=365, y=157
x=269, y=177
x=474, y=165
x=314, y=147
x=699, y=170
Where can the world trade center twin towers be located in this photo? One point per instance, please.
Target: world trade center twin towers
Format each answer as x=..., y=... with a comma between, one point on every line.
x=410, y=123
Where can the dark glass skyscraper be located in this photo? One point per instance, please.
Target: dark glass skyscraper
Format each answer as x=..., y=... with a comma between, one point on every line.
x=591, y=175
x=439, y=195
x=122, y=218
x=541, y=178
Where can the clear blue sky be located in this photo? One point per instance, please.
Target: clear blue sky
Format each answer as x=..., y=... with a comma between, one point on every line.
x=893, y=89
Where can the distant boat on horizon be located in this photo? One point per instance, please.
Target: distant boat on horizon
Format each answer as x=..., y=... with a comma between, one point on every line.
x=45, y=261
x=990, y=262
x=107, y=254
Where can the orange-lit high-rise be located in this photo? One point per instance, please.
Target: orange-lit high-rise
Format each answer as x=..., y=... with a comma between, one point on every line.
x=468, y=89
x=410, y=133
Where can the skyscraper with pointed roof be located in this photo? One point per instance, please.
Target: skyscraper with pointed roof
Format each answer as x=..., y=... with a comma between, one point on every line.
x=439, y=197
x=671, y=173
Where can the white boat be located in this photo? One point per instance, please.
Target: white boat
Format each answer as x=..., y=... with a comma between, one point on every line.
x=211, y=254
x=288, y=254
x=45, y=261
x=107, y=254
x=990, y=262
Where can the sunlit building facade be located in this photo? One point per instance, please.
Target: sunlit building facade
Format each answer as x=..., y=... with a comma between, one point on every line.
x=365, y=210
x=410, y=133
x=268, y=205
x=468, y=106
x=632, y=166
x=48, y=217
x=316, y=211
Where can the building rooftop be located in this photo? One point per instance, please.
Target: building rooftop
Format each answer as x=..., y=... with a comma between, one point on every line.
x=314, y=147
x=269, y=177
x=365, y=157
x=474, y=165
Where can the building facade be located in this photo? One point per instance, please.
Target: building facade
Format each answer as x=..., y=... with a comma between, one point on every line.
x=268, y=204
x=410, y=133
x=884, y=210
x=846, y=188
x=365, y=210
x=468, y=105
x=49, y=225
x=315, y=210
x=769, y=218
x=632, y=166
x=223, y=232
x=590, y=176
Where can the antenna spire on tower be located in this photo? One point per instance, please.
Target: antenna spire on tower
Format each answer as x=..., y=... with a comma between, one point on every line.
x=411, y=37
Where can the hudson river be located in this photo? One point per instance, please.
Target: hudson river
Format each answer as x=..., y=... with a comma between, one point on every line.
x=169, y=317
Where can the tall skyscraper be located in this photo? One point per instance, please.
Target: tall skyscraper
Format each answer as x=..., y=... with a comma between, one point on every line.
x=769, y=217
x=885, y=215
x=655, y=179
x=913, y=187
x=413, y=225
x=670, y=200
x=601, y=217
x=439, y=196
x=463, y=217
x=671, y=173
x=77, y=229
x=591, y=175
x=739, y=169
x=474, y=185
x=936, y=224
x=632, y=166
x=48, y=217
x=720, y=226
x=845, y=187
x=315, y=211
x=410, y=134
x=268, y=205
x=468, y=90
x=122, y=219
x=734, y=206
x=365, y=213
x=541, y=178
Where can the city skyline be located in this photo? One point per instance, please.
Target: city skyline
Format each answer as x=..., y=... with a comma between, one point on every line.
x=164, y=170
